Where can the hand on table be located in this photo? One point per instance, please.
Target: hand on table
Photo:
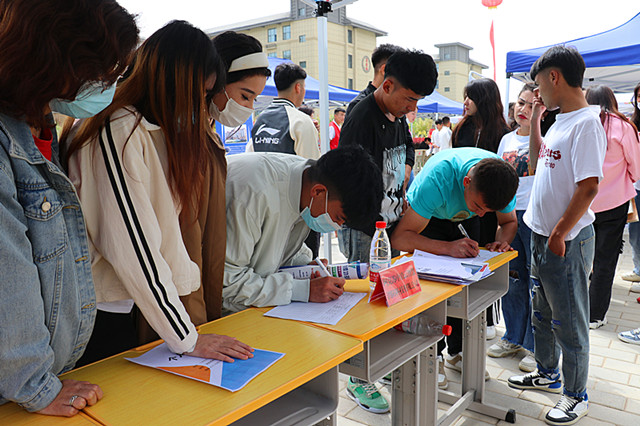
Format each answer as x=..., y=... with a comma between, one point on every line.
x=500, y=246
x=223, y=348
x=73, y=397
x=325, y=289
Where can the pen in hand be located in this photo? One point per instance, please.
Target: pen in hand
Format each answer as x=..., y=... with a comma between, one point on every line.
x=323, y=269
x=463, y=231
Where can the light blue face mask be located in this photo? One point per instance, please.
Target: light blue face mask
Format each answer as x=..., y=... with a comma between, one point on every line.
x=323, y=223
x=91, y=100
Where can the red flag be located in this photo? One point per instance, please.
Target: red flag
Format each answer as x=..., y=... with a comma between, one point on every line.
x=493, y=47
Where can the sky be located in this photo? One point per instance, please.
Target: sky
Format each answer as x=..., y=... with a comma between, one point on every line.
x=419, y=24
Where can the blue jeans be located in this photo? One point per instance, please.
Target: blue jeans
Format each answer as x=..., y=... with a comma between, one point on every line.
x=634, y=239
x=516, y=304
x=354, y=245
x=561, y=308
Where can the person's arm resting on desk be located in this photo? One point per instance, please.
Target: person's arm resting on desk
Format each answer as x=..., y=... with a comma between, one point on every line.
x=406, y=237
x=506, y=232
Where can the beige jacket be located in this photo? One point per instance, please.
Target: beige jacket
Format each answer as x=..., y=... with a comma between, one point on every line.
x=134, y=231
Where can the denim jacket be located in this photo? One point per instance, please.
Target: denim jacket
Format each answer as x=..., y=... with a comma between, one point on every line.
x=47, y=299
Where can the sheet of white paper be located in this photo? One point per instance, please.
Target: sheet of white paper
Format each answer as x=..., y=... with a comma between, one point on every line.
x=321, y=313
x=227, y=375
x=483, y=256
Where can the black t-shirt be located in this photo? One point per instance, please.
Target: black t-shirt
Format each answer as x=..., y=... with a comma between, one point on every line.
x=367, y=126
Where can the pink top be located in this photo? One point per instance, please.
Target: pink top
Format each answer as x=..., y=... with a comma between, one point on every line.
x=621, y=166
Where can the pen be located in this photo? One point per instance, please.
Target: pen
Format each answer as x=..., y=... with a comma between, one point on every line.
x=323, y=269
x=464, y=232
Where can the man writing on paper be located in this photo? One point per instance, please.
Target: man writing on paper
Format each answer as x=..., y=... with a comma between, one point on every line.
x=455, y=187
x=272, y=201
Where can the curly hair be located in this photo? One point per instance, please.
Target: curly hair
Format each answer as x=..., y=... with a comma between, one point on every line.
x=51, y=48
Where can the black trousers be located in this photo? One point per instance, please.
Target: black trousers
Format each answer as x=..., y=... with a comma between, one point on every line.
x=112, y=334
x=446, y=230
x=609, y=226
x=313, y=242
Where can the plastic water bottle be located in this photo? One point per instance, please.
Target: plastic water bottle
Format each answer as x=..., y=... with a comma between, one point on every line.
x=380, y=253
x=424, y=326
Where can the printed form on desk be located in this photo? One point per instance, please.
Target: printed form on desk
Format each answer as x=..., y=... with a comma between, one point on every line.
x=321, y=313
x=449, y=269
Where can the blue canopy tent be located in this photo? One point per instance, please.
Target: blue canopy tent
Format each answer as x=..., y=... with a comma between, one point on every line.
x=437, y=103
x=612, y=57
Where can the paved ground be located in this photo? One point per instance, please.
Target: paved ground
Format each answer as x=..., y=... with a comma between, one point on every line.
x=614, y=373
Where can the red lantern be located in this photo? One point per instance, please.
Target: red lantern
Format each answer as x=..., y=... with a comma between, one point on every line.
x=491, y=4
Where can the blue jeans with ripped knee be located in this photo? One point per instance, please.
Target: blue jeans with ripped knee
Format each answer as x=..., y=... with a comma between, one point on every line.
x=561, y=308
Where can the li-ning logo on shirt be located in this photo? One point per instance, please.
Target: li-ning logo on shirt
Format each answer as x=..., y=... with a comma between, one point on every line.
x=266, y=129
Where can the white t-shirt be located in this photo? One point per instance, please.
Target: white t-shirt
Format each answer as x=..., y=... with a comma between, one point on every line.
x=514, y=149
x=434, y=139
x=444, y=138
x=572, y=150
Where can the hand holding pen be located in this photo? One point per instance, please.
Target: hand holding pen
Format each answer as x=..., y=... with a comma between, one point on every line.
x=464, y=247
x=323, y=287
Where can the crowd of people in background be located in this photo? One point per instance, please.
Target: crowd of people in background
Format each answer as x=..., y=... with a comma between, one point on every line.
x=135, y=225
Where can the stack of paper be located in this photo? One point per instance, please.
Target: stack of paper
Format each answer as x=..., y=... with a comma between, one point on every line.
x=450, y=269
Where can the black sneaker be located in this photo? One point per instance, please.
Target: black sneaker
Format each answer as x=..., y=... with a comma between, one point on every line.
x=567, y=411
x=537, y=380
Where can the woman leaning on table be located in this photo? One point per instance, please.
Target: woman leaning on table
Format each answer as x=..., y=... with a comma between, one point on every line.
x=51, y=49
x=138, y=166
x=246, y=71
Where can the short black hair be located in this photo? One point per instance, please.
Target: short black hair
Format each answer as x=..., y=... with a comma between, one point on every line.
x=567, y=59
x=231, y=46
x=351, y=175
x=446, y=120
x=413, y=69
x=496, y=180
x=339, y=110
x=438, y=121
x=382, y=53
x=306, y=109
x=286, y=74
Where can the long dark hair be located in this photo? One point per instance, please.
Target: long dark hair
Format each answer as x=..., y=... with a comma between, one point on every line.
x=51, y=48
x=489, y=121
x=603, y=96
x=167, y=87
x=635, y=118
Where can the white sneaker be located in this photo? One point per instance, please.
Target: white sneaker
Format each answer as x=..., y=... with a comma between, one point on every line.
x=631, y=276
x=443, y=383
x=597, y=323
x=502, y=349
x=635, y=288
x=631, y=336
x=491, y=332
x=567, y=411
x=455, y=363
x=528, y=363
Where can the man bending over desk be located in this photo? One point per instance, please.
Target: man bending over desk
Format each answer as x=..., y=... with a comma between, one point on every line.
x=455, y=187
x=272, y=201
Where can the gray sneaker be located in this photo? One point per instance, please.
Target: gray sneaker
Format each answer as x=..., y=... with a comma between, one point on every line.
x=502, y=349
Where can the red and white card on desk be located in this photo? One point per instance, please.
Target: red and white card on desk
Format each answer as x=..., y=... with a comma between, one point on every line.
x=396, y=283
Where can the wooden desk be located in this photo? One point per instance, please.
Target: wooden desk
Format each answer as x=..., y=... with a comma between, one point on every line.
x=306, y=375
x=14, y=415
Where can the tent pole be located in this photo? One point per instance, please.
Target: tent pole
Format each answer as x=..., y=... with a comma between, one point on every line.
x=506, y=98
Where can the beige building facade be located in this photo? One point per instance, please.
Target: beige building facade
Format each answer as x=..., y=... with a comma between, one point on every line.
x=294, y=35
x=454, y=66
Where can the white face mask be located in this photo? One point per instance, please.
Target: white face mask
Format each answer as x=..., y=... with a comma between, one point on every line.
x=233, y=113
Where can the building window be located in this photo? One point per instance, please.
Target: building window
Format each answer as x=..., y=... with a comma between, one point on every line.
x=437, y=85
x=303, y=64
x=350, y=83
x=349, y=36
x=349, y=61
x=286, y=32
x=447, y=56
x=272, y=35
x=286, y=54
x=446, y=89
x=302, y=12
x=446, y=72
x=302, y=38
x=271, y=55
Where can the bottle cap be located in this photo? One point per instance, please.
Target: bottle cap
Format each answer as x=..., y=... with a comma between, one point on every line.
x=381, y=224
x=446, y=330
